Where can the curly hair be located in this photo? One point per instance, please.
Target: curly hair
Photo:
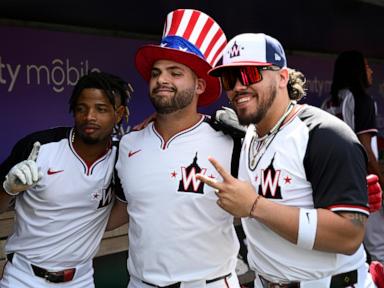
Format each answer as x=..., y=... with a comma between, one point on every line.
x=111, y=84
x=296, y=84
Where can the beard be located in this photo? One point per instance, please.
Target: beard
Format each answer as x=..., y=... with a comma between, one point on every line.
x=91, y=140
x=167, y=105
x=261, y=109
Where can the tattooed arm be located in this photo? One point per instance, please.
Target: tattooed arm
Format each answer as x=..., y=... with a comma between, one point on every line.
x=341, y=233
x=335, y=232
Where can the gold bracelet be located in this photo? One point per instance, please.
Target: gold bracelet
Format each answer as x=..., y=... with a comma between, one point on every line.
x=254, y=205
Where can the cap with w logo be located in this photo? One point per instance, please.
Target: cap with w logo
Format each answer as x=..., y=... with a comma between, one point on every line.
x=252, y=49
x=192, y=38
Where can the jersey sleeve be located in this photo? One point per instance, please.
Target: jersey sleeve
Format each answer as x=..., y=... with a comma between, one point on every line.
x=365, y=116
x=20, y=152
x=336, y=166
x=23, y=147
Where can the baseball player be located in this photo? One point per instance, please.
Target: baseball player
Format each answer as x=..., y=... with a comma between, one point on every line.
x=352, y=76
x=302, y=191
x=63, y=190
x=178, y=236
x=349, y=100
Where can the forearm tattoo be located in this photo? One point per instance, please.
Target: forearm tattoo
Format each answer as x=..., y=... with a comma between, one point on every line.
x=357, y=219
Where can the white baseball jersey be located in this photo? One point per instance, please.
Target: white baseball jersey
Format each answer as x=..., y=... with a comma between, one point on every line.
x=60, y=221
x=177, y=232
x=314, y=161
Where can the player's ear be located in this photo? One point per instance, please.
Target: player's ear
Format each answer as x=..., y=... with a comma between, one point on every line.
x=284, y=77
x=200, y=86
x=119, y=113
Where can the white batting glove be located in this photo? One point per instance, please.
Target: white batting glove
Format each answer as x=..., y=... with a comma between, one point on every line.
x=24, y=174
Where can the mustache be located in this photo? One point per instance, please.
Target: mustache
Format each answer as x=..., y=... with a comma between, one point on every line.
x=89, y=124
x=160, y=87
x=240, y=93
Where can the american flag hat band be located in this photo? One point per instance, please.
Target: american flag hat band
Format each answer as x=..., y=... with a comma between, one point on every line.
x=177, y=42
x=192, y=38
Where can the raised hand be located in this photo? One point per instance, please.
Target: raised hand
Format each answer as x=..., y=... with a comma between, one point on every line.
x=24, y=174
x=235, y=196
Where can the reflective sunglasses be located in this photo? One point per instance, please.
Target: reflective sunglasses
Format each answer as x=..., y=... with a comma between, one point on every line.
x=247, y=75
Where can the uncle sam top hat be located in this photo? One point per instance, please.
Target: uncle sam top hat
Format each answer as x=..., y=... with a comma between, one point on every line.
x=251, y=49
x=192, y=38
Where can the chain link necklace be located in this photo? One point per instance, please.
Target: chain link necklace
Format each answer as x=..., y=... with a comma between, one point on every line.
x=259, y=145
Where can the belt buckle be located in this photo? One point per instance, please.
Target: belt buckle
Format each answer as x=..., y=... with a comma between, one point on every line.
x=54, y=277
x=61, y=276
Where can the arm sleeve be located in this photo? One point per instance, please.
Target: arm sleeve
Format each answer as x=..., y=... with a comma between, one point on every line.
x=336, y=166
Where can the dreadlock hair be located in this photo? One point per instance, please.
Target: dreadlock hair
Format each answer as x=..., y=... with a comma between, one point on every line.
x=296, y=84
x=349, y=73
x=112, y=85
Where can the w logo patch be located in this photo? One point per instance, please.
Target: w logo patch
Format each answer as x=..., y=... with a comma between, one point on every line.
x=235, y=50
x=188, y=182
x=269, y=184
x=106, y=197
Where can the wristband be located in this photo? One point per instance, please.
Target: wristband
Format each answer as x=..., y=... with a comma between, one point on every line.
x=307, y=228
x=8, y=192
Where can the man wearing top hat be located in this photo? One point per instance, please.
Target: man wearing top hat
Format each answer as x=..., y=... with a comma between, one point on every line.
x=178, y=235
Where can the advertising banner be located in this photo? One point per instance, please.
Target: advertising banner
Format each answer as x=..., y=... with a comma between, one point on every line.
x=38, y=69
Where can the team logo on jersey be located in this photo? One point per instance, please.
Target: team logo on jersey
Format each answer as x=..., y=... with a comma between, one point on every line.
x=188, y=182
x=269, y=183
x=105, y=197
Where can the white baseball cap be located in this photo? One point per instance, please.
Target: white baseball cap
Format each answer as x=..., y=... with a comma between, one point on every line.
x=251, y=49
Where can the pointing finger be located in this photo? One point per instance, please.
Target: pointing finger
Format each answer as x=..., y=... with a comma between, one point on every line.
x=33, y=170
x=35, y=151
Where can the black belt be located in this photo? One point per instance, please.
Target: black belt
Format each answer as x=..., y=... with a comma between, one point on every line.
x=344, y=279
x=177, y=284
x=54, y=277
x=337, y=281
x=268, y=284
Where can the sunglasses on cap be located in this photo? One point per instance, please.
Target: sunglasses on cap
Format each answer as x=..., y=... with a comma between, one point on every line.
x=247, y=75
